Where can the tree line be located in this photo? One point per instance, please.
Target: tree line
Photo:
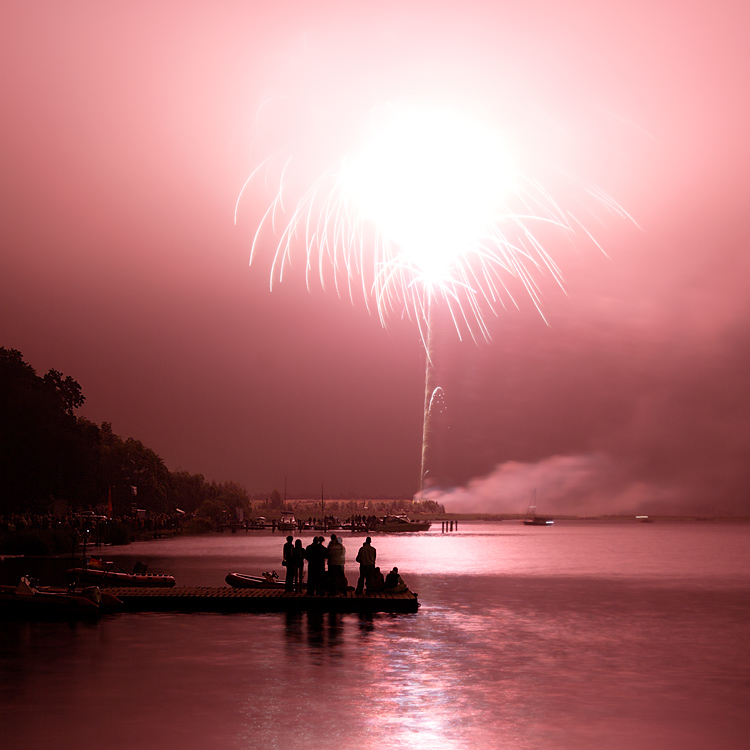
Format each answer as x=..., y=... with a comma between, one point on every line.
x=50, y=458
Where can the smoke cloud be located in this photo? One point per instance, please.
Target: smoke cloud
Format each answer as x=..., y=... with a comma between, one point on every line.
x=581, y=485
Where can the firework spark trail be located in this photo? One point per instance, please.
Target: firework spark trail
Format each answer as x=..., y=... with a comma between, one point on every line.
x=353, y=227
x=338, y=241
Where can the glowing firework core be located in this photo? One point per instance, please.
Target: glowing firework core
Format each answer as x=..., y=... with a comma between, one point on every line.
x=432, y=181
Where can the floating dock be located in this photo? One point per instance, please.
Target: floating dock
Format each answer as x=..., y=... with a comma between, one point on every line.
x=228, y=599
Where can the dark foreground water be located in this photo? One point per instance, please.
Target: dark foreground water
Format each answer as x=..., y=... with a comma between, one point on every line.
x=583, y=635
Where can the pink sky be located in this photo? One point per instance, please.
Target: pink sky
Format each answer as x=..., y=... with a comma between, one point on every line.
x=128, y=132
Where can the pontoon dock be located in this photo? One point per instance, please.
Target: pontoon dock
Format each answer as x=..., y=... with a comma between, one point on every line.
x=228, y=599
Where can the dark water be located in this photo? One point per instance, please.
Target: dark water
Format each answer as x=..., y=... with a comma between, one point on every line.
x=583, y=635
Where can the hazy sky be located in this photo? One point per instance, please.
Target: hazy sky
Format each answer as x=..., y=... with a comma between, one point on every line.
x=128, y=130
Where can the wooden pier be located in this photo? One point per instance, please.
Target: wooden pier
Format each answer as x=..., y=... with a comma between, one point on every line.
x=228, y=599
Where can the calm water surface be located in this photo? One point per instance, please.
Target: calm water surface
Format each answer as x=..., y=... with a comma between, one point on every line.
x=582, y=635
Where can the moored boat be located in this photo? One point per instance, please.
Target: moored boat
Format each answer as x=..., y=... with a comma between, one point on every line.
x=105, y=574
x=287, y=522
x=107, y=602
x=28, y=602
x=265, y=581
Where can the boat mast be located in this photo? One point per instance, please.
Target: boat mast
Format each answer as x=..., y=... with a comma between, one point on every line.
x=531, y=512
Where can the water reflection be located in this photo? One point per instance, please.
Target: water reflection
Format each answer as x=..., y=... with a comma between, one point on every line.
x=293, y=622
x=321, y=631
x=366, y=623
x=579, y=548
x=398, y=685
x=558, y=660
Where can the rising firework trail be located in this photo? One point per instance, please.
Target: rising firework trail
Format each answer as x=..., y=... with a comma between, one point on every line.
x=428, y=209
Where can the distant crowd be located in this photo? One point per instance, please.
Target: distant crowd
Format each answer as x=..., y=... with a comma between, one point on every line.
x=86, y=522
x=326, y=568
x=326, y=523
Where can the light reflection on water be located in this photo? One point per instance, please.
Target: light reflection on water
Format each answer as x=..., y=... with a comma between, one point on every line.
x=689, y=552
x=579, y=636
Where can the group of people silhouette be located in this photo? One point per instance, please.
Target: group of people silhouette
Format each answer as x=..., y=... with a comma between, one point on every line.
x=325, y=568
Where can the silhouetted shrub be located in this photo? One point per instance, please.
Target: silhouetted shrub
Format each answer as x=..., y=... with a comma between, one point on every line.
x=118, y=533
x=37, y=542
x=199, y=526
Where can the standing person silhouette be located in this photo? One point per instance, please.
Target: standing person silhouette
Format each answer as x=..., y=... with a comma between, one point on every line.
x=336, y=562
x=366, y=559
x=316, y=555
x=298, y=562
x=287, y=560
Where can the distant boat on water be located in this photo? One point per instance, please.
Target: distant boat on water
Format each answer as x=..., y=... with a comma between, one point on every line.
x=396, y=523
x=532, y=519
x=287, y=522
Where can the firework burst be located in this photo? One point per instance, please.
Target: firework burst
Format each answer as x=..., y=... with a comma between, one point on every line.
x=428, y=208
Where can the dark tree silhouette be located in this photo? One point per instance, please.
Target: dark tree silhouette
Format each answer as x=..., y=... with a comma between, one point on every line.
x=43, y=451
x=47, y=453
x=66, y=388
